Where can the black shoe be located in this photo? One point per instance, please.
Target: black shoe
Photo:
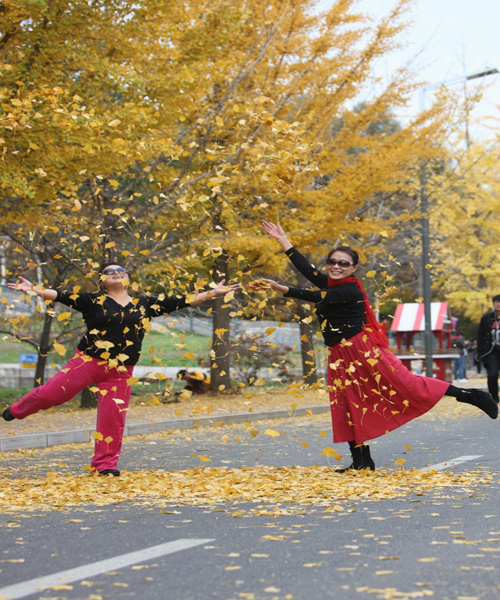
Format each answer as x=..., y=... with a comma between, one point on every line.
x=7, y=415
x=351, y=467
x=480, y=399
x=114, y=472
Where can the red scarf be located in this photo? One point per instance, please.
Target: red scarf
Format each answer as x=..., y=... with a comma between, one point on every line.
x=373, y=328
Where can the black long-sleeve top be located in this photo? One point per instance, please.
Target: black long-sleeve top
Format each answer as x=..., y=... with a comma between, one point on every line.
x=115, y=331
x=486, y=334
x=340, y=309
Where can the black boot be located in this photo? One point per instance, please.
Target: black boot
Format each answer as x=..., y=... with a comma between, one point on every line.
x=7, y=415
x=361, y=458
x=114, y=472
x=480, y=399
x=367, y=459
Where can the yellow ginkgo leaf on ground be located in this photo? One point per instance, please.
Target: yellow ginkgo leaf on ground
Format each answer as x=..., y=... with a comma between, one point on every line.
x=62, y=587
x=400, y=461
x=428, y=559
x=271, y=432
x=204, y=458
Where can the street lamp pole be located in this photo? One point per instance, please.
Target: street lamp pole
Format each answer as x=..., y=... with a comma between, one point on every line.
x=424, y=207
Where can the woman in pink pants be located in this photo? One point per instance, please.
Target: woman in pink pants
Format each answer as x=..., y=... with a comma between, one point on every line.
x=106, y=355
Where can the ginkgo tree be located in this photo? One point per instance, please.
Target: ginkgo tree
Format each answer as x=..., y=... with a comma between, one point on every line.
x=466, y=229
x=161, y=134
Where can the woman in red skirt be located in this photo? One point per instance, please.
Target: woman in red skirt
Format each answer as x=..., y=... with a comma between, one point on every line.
x=371, y=391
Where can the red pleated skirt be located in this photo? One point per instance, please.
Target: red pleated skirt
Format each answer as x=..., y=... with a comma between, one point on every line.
x=372, y=392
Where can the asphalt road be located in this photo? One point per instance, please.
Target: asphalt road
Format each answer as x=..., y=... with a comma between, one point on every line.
x=443, y=545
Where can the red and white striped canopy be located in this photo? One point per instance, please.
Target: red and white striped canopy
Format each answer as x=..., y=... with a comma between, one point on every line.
x=410, y=317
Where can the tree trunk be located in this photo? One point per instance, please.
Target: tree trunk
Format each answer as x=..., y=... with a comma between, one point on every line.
x=307, y=352
x=43, y=350
x=220, y=362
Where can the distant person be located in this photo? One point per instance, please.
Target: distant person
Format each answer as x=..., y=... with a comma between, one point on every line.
x=488, y=345
x=475, y=363
x=106, y=355
x=460, y=362
x=197, y=382
x=371, y=391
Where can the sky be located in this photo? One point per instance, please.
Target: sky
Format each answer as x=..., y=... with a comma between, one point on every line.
x=450, y=38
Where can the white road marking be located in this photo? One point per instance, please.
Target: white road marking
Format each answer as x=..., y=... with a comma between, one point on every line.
x=450, y=463
x=26, y=588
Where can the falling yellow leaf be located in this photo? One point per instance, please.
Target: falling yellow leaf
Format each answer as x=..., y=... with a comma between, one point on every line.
x=63, y=315
x=59, y=348
x=332, y=452
x=204, y=458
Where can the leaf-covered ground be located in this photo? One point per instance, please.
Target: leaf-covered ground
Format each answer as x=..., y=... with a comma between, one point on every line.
x=277, y=490
x=43, y=479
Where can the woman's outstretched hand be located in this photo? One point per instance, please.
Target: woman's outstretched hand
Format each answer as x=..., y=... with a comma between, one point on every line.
x=221, y=289
x=266, y=284
x=23, y=285
x=276, y=231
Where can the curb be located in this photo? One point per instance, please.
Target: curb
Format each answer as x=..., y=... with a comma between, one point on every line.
x=81, y=436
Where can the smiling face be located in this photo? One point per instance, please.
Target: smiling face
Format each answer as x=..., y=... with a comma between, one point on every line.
x=114, y=275
x=340, y=265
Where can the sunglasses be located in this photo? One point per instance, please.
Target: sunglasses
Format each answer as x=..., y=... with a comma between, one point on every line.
x=113, y=271
x=341, y=263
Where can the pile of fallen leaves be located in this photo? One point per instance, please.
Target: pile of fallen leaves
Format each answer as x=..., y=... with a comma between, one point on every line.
x=280, y=489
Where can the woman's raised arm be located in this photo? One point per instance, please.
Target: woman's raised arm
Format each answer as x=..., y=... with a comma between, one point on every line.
x=299, y=261
x=23, y=285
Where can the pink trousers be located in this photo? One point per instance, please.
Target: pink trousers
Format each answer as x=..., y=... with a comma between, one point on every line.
x=113, y=399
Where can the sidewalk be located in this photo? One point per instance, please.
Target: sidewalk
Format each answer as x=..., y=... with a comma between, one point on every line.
x=69, y=425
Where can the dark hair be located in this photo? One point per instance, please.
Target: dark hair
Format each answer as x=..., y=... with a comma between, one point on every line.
x=496, y=298
x=347, y=250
